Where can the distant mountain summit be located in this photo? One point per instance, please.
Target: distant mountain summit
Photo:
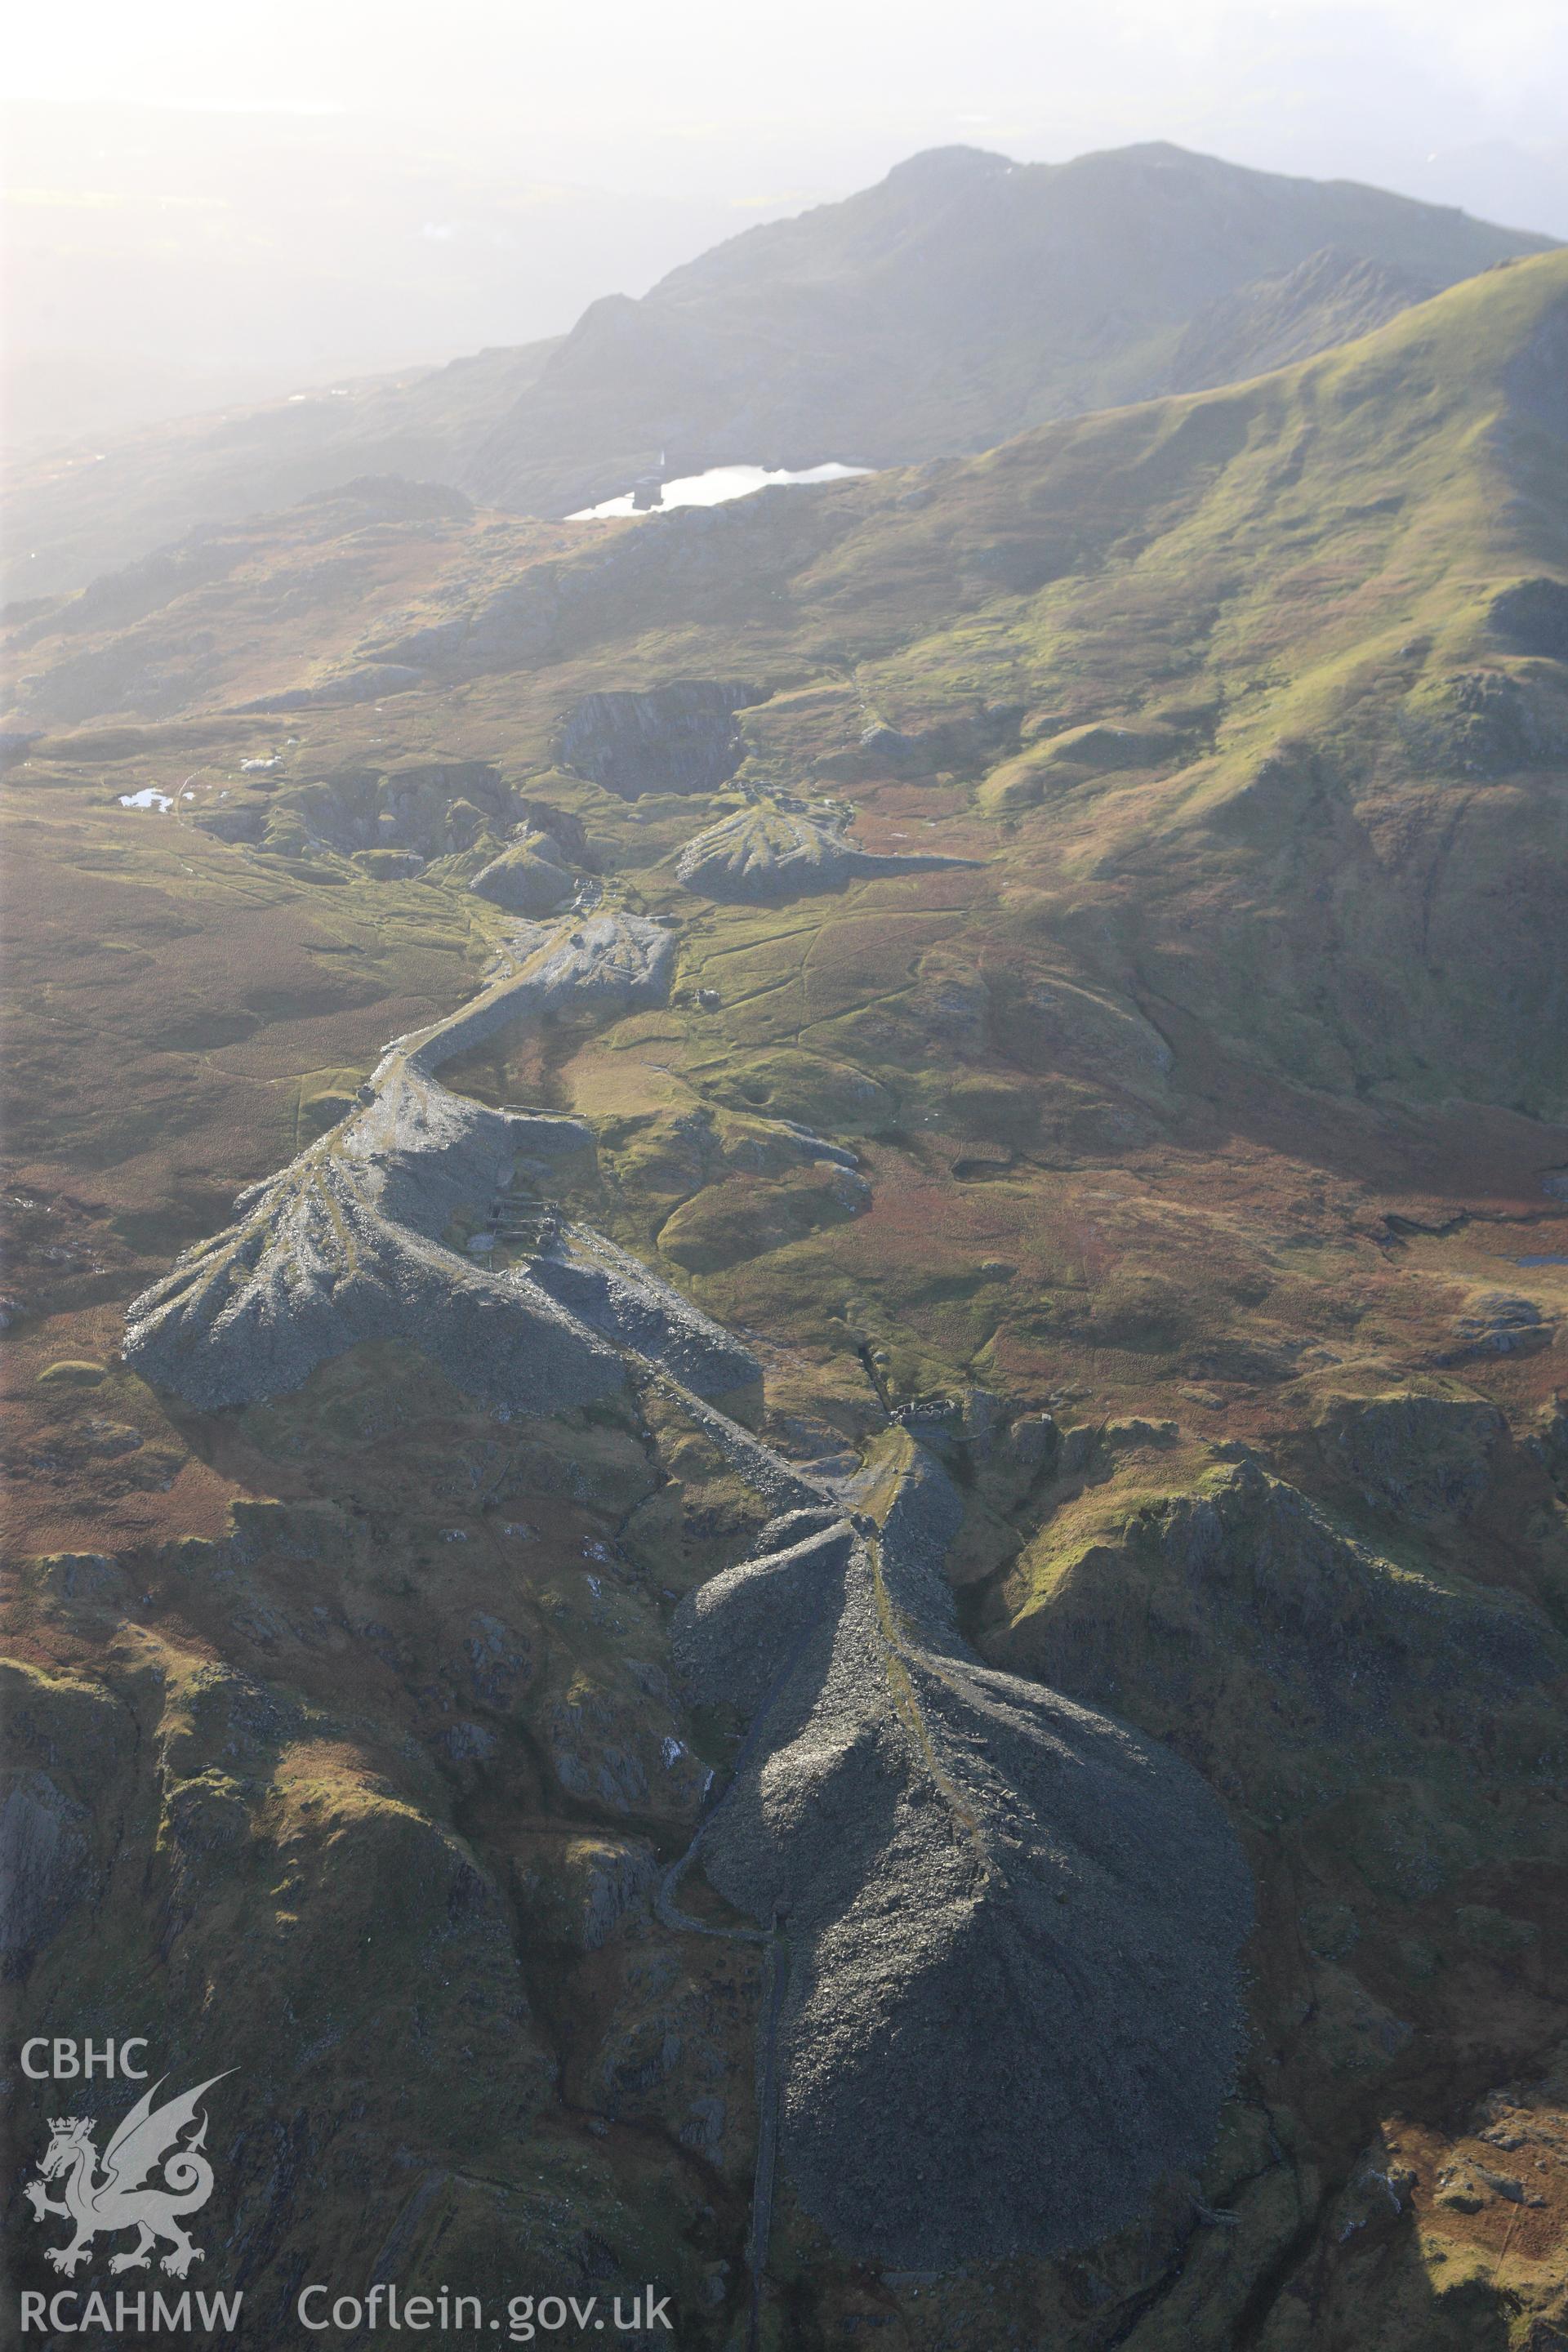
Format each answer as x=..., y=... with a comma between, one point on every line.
x=962, y=300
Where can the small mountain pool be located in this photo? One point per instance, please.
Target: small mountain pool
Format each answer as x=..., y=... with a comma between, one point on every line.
x=713, y=488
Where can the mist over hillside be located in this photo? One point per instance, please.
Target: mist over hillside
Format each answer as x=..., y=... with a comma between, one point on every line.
x=166, y=263
x=960, y=299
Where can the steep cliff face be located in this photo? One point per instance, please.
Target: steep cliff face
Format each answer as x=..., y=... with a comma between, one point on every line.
x=256, y=1862
x=674, y=739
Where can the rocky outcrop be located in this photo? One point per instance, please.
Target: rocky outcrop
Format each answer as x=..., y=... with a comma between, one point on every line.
x=1533, y=617
x=1498, y=1323
x=769, y=850
x=44, y=1842
x=1426, y=1456
x=1011, y=1924
x=1191, y=1608
x=69, y=1746
x=348, y=1242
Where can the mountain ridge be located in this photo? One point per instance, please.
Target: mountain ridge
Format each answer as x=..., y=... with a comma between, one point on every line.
x=1393, y=464
x=959, y=299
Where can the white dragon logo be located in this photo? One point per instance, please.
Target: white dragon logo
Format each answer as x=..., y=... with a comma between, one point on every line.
x=122, y=2198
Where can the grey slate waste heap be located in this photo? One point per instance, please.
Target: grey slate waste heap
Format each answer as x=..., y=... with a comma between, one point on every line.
x=768, y=851
x=345, y=1244
x=1010, y=1923
x=1013, y=1924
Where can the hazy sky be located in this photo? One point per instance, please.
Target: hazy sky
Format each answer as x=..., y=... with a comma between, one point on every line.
x=211, y=202
x=717, y=97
